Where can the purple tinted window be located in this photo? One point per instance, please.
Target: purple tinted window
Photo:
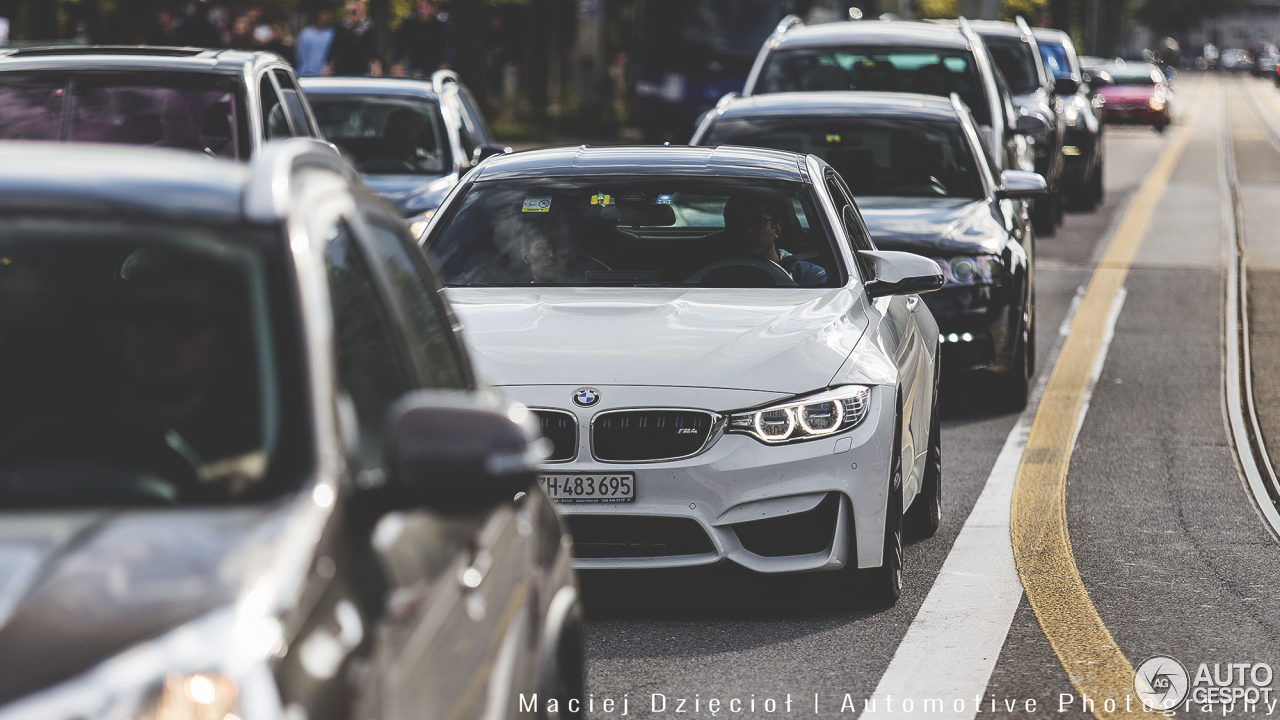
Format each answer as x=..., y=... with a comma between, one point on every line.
x=189, y=111
x=31, y=108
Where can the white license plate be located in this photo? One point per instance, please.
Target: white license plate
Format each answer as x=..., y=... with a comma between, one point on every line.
x=589, y=487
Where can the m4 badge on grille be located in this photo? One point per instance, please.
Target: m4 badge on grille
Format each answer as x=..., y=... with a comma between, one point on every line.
x=687, y=431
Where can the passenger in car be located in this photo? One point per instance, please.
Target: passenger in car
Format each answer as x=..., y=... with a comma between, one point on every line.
x=753, y=224
x=553, y=257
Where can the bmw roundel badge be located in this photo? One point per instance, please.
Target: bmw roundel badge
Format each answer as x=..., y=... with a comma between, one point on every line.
x=586, y=397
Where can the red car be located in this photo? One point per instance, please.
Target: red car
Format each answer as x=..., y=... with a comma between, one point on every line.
x=1140, y=95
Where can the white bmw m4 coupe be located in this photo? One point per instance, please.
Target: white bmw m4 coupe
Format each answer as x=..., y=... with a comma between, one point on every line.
x=726, y=367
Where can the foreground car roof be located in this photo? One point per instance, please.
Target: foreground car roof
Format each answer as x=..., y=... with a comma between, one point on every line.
x=841, y=104
x=726, y=161
x=367, y=86
x=133, y=58
x=74, y=178
x=876, y=33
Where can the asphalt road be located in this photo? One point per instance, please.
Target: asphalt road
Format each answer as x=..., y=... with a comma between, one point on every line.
x=1168, y=541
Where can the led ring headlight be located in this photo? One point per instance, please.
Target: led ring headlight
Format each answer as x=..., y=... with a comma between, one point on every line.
x=818, y=415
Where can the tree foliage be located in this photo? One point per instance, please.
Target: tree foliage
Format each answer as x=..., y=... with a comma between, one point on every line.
x=938, y=8
x=1029, y=9
x=1178, y=16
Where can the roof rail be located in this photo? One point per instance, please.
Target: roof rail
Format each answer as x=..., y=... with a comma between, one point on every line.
x=266, y=196
x=150, y=50
x=440, y=77
x=1023, y=26
x=958, y=104
x=787, y=23
x=967, y=30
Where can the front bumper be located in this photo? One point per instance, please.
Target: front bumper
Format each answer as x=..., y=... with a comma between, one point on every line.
x=768, y=508
x=1135, y=116
x=983, y=322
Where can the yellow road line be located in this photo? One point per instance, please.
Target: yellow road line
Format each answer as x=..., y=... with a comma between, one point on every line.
x=1038, y=516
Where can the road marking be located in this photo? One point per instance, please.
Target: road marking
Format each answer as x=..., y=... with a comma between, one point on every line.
x=955, y=639
x=1038, y=525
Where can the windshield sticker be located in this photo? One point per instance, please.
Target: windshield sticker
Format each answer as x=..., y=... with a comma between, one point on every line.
x=601, y=199
x=833, y=138
x=536, y=203
x=663, y=200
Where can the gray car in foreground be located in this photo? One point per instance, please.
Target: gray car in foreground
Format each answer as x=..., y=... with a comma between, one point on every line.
x=245, y=468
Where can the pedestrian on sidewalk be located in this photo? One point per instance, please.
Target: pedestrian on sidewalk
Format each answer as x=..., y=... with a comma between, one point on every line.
x=424, y=43
x=354, y=48
x=313, y=44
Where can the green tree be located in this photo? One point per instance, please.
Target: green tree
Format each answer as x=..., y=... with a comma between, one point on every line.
x=938, y=8
x=1029, y=9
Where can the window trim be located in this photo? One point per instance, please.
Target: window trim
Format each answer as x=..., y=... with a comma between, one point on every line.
x=275, y=87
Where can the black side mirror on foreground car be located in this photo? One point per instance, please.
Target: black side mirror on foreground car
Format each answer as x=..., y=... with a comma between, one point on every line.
x=1065, y=86
x=901, y=273
x=1015, y=184
x=1032, y=125
x=460, y=452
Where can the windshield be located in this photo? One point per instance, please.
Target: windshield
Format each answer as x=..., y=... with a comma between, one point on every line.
x=890, y=156
x=1016, y=61
x=1134, y=74
x=896, y=69
x=138, y=367
x=1055, y=59
x=387, y=136
x=619, y=231
x=697, y=36
x=190, y=111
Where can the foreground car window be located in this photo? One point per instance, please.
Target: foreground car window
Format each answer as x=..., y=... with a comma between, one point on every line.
x=190, y=111
x=874, y=156
x=617, y=231
x=138, y=367
x=387, y=136
x=922, y=70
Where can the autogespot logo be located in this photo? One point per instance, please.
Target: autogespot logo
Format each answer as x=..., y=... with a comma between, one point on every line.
x=586, y=397
x=1161, y=682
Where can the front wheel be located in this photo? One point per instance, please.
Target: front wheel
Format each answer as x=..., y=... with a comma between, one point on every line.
x=1013, y=386
x=882, y=586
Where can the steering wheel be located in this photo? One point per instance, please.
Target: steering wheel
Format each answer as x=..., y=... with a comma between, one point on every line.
x=775, y=271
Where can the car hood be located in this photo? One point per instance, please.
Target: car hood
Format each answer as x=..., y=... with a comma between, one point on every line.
x=774, y=340
x=932, y=226
x=79, y=586
x=411, y=194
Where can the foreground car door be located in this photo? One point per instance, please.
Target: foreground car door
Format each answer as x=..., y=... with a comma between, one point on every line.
x=457, y=622
x=900, y=331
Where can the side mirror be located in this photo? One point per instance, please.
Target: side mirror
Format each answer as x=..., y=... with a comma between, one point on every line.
x=1100, y=78
x=1065, y=86
x=484, y=152
x=1032, y=125
x=459, y=452
x=901, y=273
x=1016, y=184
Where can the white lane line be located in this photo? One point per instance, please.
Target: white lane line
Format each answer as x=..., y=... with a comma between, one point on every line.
x=1065, y=328
x=951, y=648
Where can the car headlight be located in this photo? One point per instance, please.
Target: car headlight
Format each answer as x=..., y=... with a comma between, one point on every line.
x=1155, y=104
x=970, y=270
x=825, y=413
x=1072, y=115
x=201, y=696
x=418, y=224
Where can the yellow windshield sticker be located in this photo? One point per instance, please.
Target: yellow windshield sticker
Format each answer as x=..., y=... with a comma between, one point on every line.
x=833, y=138
x=601, y=199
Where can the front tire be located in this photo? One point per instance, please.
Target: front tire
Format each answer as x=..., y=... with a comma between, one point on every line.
x=1014, y=385
x=882, y=586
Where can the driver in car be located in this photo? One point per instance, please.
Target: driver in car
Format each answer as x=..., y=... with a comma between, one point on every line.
x=551, y=255
x=753, y=223
x=175, y=401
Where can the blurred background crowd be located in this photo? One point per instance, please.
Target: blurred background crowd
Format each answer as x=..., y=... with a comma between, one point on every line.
x=587, y=68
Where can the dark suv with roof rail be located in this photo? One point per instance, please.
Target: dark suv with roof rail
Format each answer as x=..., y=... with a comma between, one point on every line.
x=224, y=103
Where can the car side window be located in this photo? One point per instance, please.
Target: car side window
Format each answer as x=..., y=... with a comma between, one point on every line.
x=433, y=346
x=368, y=362
x=274, y=123
x=293, y=102
x=468, y=134
x=858, y=238
x=481, y=129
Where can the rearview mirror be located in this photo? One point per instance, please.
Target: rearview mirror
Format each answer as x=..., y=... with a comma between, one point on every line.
x=484, y=152
x=1032, y=125
x=1016, y=184
x=460, y=451
x=1065, y=86
x=901, y=273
